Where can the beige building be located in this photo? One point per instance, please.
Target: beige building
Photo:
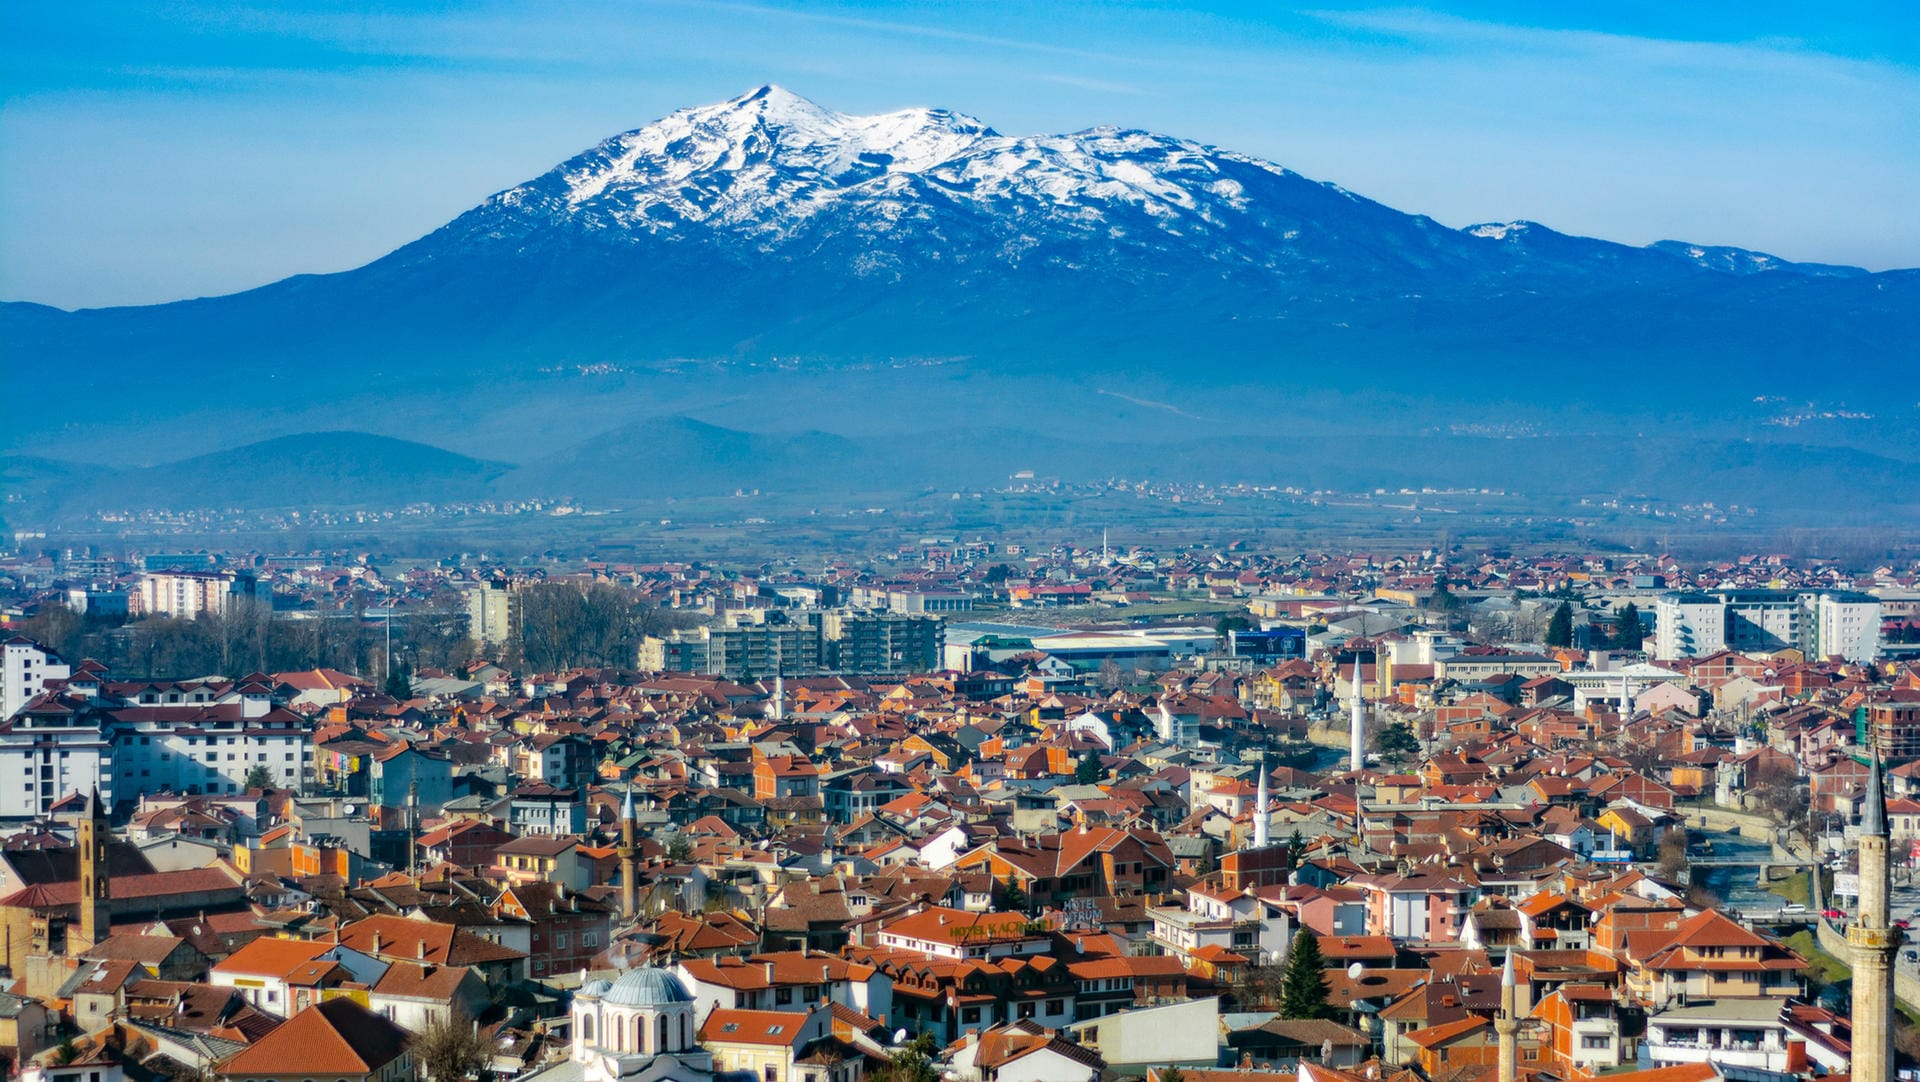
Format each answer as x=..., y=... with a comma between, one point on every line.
x=188, y=595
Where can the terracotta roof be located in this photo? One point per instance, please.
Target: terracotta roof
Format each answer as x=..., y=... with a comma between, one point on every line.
x=338, y=1037
x=273, y=957
x=753, y=1027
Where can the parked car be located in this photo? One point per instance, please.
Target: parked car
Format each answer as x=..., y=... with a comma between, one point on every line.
x=1793, y=907
x=1912, y=956
x=1833, y=914
x=1903, y=923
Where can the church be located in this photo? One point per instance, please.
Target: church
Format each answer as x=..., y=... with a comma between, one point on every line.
x=638, y=1028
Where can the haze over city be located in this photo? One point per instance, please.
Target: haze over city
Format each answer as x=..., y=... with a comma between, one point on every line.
x=1045, y=542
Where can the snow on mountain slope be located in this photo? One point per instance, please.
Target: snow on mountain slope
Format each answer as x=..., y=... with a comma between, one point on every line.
x=773, y=173
x=767, y=166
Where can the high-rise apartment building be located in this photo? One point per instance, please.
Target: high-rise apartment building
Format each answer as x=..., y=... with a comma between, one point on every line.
x=187, y=595
x=1817, y=623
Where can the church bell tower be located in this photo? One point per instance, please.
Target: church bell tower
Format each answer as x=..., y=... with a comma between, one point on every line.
x=95, y=918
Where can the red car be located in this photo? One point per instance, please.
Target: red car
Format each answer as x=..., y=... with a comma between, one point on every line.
x=1833, y=914
x=1902, y=923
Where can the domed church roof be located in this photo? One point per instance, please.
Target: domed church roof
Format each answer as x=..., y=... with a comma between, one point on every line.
x=647, y=986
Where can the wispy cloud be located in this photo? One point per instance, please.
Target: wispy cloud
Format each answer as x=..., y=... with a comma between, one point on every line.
x=1100, y=85
x=1763, y=56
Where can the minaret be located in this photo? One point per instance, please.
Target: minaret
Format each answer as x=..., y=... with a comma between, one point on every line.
x=413, y=828
x=1261, y=808
x=629, y=866
x=1872, y=942
x=779, y=698
x=1506, y=1025
x=95, y=919
x=1356, y=754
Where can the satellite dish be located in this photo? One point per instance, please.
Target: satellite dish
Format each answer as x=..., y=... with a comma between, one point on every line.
x=1355, y=970
x=899, y=1036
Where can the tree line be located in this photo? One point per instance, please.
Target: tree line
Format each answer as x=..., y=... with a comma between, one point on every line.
x=251, y=637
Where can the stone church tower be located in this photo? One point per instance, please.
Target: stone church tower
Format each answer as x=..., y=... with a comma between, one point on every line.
x=1873, y=942
x=95, y=918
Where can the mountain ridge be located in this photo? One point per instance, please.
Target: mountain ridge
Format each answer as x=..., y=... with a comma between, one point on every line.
x=920, y=257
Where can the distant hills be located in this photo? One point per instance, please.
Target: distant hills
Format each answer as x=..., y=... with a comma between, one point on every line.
x=677, y=458
x=320, y=469
x=915, y=299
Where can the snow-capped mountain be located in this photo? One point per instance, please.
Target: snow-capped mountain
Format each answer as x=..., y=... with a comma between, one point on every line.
x=770, y=232
x=782, y=176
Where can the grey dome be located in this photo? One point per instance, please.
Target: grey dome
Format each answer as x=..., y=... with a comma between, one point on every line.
x=596, y=988
x=647, y=986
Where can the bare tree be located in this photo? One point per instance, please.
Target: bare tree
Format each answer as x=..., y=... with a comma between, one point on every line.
x=450, y=1048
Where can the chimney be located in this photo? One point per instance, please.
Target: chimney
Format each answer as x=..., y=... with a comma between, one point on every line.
x=767, y=968
x=376, y=942
x=422, y=950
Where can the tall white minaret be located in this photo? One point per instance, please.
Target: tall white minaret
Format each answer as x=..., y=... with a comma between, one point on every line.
x=1261, y=808
x=1506, y=1027
x=1357, y=752
x=779, y=698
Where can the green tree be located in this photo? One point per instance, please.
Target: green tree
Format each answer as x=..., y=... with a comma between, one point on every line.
x=1303, y=991
x=1012, y=898
x=66, y=1051
x=1560, y=628
x=1628, y=631
x=1089, y=770
x=450, y=1048
x=1171, y=1074
x=912, y=1062
x=400, y=682
x=1442, y=599
x=259, y=778
x=1230, y=623
x=1396, y=743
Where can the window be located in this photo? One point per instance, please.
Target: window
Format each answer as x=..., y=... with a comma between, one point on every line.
x=969, y=1015
x=1601, y=1043
x=770, y=1073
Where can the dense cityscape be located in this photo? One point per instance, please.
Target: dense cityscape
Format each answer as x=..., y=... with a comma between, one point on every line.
x=1015, y=541
x=962, y=810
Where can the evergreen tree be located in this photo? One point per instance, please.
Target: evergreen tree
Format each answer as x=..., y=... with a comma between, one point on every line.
x=399, y=682
x=1303, y=993
x=259, y=778
x=1628, y=631
x=1012, y=898
x=1560, y=628
x=1088, y=770
x=1396, y=743
x=1296, y=847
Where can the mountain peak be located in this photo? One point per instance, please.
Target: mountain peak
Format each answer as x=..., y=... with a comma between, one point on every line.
x=777, y=105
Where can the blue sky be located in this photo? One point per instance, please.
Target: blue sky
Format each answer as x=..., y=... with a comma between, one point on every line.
x=156, y=151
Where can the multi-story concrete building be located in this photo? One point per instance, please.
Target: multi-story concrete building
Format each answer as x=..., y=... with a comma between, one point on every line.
x=883, y=643
x=132, y=739
x=1817, y=623
x=25, y=668
x=806, y=643
x=491, y=609
x=187, y=595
